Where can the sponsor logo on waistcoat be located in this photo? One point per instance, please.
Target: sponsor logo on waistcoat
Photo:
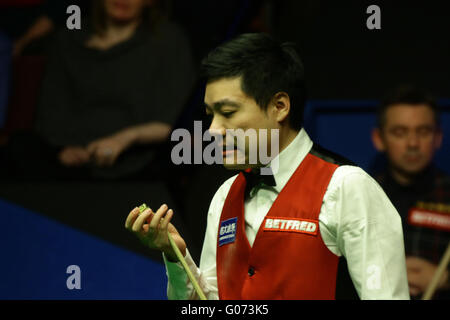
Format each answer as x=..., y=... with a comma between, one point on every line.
x=227, y=231
x=291, y=225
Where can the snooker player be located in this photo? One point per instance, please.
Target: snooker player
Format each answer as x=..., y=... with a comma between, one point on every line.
x=280, y=236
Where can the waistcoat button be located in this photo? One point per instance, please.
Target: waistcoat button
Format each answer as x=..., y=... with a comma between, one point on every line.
x=251, y=271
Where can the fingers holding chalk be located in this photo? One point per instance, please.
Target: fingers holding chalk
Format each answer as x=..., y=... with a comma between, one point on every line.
x=131, y=218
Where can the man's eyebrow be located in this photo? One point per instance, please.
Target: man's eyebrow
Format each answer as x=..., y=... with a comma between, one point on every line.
x=221, y=103
x=399, y=127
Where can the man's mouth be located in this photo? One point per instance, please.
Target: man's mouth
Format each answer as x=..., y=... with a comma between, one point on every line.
x=229, y=150
x=412, y=157
x=226, y=153
x=412, y=160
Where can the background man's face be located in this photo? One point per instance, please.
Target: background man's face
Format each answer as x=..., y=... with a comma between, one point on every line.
x=231, y=108
x=410, y=137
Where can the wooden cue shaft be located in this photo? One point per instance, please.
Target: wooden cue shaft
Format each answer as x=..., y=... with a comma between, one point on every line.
x=182, y=261
x=437, y=275
x=186, y=268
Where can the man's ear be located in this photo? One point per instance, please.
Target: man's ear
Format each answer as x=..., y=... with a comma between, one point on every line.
x=377, y=140
x=438, y=139
x=281, y=106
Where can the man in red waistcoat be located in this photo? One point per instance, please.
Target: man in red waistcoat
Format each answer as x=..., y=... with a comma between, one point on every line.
x=279, y=235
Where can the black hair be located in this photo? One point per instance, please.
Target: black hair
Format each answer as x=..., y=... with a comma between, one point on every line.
x=265, y=67
x=406, y=94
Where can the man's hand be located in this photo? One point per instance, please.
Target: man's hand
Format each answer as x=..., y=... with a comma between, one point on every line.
x=73, y=156
x=420, y=272
x=153, y=228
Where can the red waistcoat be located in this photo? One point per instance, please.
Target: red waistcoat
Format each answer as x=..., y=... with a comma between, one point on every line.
x=288, y=259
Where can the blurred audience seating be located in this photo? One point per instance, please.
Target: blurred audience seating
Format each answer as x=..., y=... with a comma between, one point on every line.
x=26, y=76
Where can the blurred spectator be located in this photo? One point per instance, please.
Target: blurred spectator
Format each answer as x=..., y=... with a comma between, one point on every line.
x=111, y=91
x=408, y=133
x=31, y=23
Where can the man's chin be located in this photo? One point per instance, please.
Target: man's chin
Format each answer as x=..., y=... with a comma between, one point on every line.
x=238, y=165
x=411, y=170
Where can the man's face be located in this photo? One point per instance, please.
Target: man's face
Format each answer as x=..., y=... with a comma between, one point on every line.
x=231, y=108
x=410, y=137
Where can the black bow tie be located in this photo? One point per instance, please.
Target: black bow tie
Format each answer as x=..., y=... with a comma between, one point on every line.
x=255, y=178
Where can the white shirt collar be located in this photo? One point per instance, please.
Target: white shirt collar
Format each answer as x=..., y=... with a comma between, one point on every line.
x=290, y=158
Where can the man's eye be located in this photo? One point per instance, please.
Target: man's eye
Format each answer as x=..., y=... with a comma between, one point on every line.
x=425, y=131
x=228, y=114
x=399, y=132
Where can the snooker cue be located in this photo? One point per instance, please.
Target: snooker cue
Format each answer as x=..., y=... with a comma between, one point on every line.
x=182, y=260
x=429, y=292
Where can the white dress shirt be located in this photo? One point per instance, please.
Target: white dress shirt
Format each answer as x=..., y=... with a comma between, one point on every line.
x=356, y=220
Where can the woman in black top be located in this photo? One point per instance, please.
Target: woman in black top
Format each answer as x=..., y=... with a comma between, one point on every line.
x=112, y=91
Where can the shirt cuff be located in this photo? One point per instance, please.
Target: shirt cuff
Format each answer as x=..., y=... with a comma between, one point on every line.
x=178, y=286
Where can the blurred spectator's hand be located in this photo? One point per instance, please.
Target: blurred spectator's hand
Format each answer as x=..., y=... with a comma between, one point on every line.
x=73, y=156
x=18, y=47
x=105, y=151
x=41, y=27
x=420, y=272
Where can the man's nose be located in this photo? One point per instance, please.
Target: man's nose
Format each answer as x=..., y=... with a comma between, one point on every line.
x=413, y=140
x=216, y=127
